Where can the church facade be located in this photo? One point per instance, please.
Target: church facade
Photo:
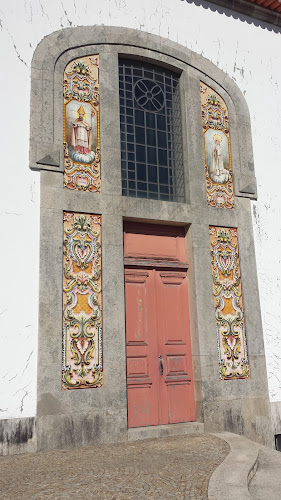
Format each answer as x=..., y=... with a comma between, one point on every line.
x=146, y=205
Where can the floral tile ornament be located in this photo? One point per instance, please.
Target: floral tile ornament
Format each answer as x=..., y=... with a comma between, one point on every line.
x=81, y=130
x=82, y=306
x=218, y=168
x=227, y=290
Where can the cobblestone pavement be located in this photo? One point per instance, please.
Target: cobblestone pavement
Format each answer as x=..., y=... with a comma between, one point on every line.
x=167, y=468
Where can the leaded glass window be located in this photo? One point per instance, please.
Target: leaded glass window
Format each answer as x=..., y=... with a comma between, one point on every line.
x=151, y=135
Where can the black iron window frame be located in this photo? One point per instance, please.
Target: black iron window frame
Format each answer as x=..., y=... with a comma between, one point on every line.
x=151, y=131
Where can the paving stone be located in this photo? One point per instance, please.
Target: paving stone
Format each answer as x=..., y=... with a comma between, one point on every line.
x=168, y=468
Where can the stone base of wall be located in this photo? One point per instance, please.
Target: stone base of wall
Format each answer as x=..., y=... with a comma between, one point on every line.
x=61, y=431
x=18, y=435
x=249, y=417
x=28, y=435
x=81, y=429
x=276, y=416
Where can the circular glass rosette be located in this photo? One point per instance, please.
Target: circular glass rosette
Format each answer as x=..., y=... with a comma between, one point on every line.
x=149, y=95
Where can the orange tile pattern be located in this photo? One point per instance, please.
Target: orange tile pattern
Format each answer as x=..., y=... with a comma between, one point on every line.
x=231, y=337
x=269, y=4
x=81, y=129
x=82, y=308
x=218, y=168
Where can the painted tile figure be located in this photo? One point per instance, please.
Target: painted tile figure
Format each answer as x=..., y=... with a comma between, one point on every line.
x=217, y=149
x=217, y=170
x=81, y=138
x=81, y=125
x=231, y=337
x=82, y=316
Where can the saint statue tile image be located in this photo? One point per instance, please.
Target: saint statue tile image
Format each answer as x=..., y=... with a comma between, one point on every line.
x=217, y=171
x=218, y=168
x=81, y=139
x=81, y=134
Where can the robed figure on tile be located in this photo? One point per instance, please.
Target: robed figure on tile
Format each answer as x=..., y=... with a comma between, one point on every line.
x=81, y=138
x=81, y=134
x=81, y=125
x=218, y=168
x=217, y=171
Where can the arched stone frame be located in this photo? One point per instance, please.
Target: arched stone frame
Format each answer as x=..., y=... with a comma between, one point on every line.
x=56, y=50
x=97, y=415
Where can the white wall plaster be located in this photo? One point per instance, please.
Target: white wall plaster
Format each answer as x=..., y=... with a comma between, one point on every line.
x=248, y=53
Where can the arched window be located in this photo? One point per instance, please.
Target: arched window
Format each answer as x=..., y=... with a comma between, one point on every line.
x=151, y=132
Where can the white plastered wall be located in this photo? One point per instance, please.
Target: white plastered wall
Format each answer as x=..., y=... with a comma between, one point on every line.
x=248, y=53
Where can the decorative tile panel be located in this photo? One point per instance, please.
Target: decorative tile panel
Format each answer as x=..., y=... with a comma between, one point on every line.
x=81, y=132
x=82, y=317
x=218, y=166
x=231, y=338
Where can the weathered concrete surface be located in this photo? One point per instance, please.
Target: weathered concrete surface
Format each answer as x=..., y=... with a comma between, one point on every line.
x=230, y=480
x=169, y=468
x=156, y=431
x=276, y=416
x=18, y=436
x=266, y=483
x=249, y=472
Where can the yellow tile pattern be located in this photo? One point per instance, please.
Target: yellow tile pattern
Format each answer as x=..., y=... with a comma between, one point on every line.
x=228, y=303
x=82, y=302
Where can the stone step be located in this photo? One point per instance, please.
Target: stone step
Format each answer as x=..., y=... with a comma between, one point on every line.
x=231, y=478
x=249, y=472
x=266, y=483
x=156, y=431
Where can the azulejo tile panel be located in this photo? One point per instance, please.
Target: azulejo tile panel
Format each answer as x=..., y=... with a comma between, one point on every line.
x=82, y=302
x=81, y=125
x=218, y=166
x=231, y=337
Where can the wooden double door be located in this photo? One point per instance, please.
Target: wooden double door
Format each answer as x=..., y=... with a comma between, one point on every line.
x=159, y=368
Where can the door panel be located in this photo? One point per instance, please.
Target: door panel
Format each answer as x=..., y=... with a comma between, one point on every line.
x=154, y=241
x=172, y=294
x=176, y=386
x=141, y=348
x=136, y=305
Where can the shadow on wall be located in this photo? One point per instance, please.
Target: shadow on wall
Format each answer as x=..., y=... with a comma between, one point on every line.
x=244, y=11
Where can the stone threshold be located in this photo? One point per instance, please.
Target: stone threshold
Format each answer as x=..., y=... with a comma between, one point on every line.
x=155, y=431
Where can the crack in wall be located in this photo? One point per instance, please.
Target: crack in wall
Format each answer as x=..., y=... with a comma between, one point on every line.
x=11, y=213
x=26, y=393
x=27, y=362
x=66, y=15
x=13, y=42
x=22, y=399
x=43, y=11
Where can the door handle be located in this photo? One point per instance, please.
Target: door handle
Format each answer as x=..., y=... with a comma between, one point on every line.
x=161, y=368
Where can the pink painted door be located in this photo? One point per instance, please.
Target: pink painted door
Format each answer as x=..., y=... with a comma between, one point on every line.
x=176, y=392
x=159, y=367
x=141, y=340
